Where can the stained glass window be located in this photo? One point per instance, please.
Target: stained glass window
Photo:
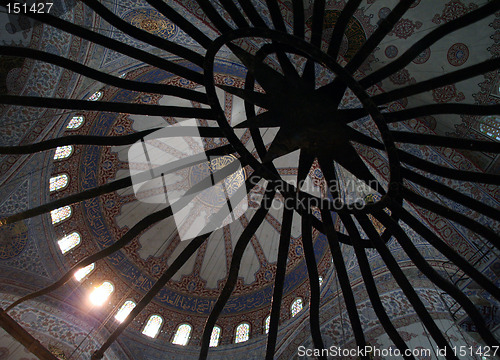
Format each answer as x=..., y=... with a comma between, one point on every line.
x=490, y=126
x=95, y=96
x=75, y=122
x=58, y=182
x=60, y=214
x=153, y=326
x=83, y=272
x=214, y=337
x=126, y=308
x=242, y=333
x=267, y=323
x=181, y=336
x=101, y=293
x=69, y=242
x=62, y=152
x=296, y=306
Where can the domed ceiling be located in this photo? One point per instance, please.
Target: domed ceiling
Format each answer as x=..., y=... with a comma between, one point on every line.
x=200, y=280
x=321, y=92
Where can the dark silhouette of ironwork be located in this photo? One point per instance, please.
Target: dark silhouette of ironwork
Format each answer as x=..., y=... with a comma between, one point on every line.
x=309, y=119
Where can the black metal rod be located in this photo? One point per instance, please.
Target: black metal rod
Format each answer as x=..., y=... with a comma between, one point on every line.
x=117, y=107
x=207, y=132
x=100, y=76
x=314, y=286
x=112, y=186
x=434, y=83
x=212, y=14
x=436, y=278
x=343, y=277
x=76, y=140
x=279, y=281
x=276, y=16
x=235, y=13
x=384, y=27
x=405, y=285
x=448, y=251
x=446, y=141
x=238, y=252
x=118, y=46
x=298, y=18
x=318, y=19
x=340, y=27
x=371, y=287
x=451, y=194
x=461, y=219
x=252, y=13
x=435, y=109
x=143, y=35
x=446, y=172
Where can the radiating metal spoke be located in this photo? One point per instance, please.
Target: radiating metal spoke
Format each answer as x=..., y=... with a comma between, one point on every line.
x=279, y=281
x=238, y=252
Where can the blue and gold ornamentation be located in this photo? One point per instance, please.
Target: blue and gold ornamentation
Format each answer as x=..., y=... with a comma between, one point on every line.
x=13, y=240
x=151, y=21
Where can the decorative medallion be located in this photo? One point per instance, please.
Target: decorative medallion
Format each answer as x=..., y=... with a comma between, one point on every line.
x=405, y=28
x=458, y=54
x=391, y=51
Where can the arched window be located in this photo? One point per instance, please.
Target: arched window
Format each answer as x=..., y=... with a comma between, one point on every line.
x=242, y=333
x=95, y=96
x=101, y=293
x=60, y=214
x=75, y=122
x=126, y=308
x=153, y=326
x=69, y=242
x=296, y=306
x=215, y=336
x=267, y=324
x=83, y=272
x=58, y=182
x=181, y=336
x=490, y=126
x=62, y=152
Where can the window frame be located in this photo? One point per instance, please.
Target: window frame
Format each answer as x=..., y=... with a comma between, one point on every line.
x=177, y=330
x=146, y=324
x=62, y=188
x=66, y=157
x=236, y=332
x=123, y=304
x=301, y=307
